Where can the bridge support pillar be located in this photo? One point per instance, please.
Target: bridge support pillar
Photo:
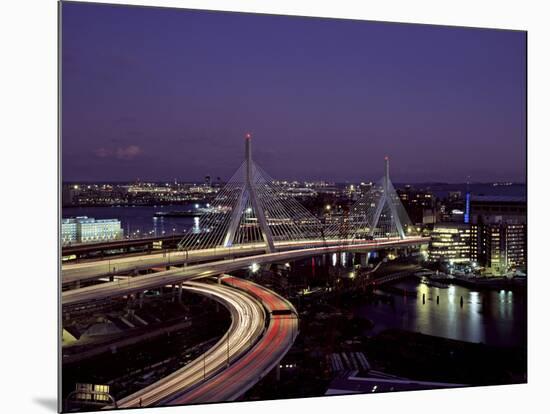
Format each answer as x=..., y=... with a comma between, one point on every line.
x=248, y=194
x=130, y=303
x=278, y=372
x=140, y=299
x=364, y=258
x=180, y=291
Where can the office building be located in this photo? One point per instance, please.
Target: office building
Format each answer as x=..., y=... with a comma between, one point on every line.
x=453, y=243
x=68, y=231
x=86, y=230
x=419, y=205
x=502, y=241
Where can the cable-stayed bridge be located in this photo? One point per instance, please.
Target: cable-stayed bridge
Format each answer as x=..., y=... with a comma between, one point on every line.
x=253, y=217
x=252, y=221
x=253, y=209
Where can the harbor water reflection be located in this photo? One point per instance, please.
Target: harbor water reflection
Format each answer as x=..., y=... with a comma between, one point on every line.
x=491, y=317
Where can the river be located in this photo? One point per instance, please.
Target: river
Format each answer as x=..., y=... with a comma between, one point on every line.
x=492, y=317
x=487, y=316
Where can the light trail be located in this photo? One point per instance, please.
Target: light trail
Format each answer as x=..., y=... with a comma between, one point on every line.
x=247, y=325
x=175, y=276
x=279, y=336
x=75, y=272
x=254, y=349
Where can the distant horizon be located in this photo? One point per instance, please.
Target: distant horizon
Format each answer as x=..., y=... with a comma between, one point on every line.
x=499, y=183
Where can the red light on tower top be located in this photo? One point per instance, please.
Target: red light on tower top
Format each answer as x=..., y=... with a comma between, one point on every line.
x=386, y=158
x=248, y=135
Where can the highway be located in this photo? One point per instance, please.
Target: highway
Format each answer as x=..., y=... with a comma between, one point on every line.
x=254, y=349
x=247, y=325
x=178, y=275
x=75, y=272
x=279, y=336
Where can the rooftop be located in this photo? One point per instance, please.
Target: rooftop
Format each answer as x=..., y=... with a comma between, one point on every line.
x=499, y=199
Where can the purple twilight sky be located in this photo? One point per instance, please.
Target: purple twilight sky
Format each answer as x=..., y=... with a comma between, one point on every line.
x=158, y=94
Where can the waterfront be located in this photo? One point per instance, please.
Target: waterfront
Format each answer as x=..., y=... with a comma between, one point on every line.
x=492, y=317
x=139, y=220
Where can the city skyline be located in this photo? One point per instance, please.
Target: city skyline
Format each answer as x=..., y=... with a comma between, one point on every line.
x=156, y=94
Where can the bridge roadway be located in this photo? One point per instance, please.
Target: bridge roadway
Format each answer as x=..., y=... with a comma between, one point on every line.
x=224, y=373
x=105, y=267
x=175, y=276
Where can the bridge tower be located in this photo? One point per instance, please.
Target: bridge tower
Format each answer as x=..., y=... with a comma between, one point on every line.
x=387, y=200
x=248, y=195
x=251, y=209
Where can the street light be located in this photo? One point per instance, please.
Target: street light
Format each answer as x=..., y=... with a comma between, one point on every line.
x=228, y=350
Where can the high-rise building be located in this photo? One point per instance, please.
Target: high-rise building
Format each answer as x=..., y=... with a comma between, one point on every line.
x=502, y=247
x=502, y=239
x=516, y=245
x=452, y=242
x=419, y=205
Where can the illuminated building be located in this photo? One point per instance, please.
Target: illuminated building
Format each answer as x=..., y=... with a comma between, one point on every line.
x=419, y=205
x=453, y=242
x=85, y=230
x=502, y=242
x=516, y=245
x=503, y=247
x=68, y=231
x=467, y=208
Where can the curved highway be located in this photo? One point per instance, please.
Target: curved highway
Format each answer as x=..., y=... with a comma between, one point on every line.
x=253, y=351
x=247, y=325
x=279, y=336
x=175, y=276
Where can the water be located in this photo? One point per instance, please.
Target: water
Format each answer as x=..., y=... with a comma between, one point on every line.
x=491, y=317
x=139, y=220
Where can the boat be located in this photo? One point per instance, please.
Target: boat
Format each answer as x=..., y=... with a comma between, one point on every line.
x=179, y=213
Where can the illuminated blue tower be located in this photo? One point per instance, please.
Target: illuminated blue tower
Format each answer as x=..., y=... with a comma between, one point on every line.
x=467, y=203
